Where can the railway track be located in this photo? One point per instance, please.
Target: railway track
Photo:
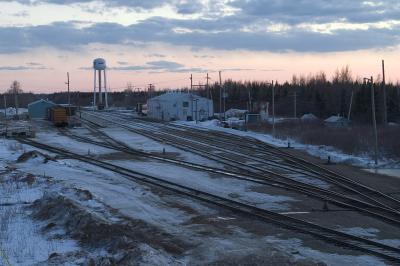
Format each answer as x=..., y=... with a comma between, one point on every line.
x=324, y=195
x=353, y=188
x=375, y=248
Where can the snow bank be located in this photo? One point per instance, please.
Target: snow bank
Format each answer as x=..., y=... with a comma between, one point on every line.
x=321, y=151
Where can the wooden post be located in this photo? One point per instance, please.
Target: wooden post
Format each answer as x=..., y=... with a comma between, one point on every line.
x=385, y=119
x=220, y=96
x=351, y=103
x=273, y=109
x=191, y=83
x=5, y=106
x=374, y=120
x=208, y=89
x=295, y=104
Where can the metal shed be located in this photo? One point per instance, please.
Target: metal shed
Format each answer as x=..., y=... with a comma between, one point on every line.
x=39, y=109
x=179, y=106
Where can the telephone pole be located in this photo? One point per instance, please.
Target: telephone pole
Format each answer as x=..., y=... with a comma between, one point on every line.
x=69, y=98
x=15, y=88
x=371, y=80
x=220, y=96
x=295, y=104
x=150, y=90
x=385, y=120
x=5, y=106
x=273, y=109
x=191, y=83
x=351, y=104
x=208, y=88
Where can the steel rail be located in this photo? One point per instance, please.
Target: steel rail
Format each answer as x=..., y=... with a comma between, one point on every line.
x=387, y=252
x=322, y=194
x=198, y=151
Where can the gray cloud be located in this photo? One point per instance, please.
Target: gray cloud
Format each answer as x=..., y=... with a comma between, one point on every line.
x=34, y=64
x=155, y=55
x=294, y=12
x=220, y=33
x=283, y=11
x=153, y=65
x=21, y=68
x=182, y=6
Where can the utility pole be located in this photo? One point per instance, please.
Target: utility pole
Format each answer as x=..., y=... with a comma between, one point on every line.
x=385, y=120
x=250, y=109
x=371, y=80
x=351, y=104
x=5, y=111
x=150, y=91
x=79, y=104
x=69, y=97
x=220, y=96
x=5, y=104
x=191, y=83
x=273, y=109
x=295, y=104
x=197, y=112
x=15, y=87
x=374, y=120
x=208, y=88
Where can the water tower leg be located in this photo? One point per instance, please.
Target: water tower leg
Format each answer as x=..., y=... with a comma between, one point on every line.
x=100, y=92
x=105, y=88
x=94, y=90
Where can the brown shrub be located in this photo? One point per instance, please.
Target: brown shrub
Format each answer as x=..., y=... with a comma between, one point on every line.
x=356, y=139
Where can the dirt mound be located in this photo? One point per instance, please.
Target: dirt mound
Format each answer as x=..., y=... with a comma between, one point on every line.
x=123, y=240
x=34, y=154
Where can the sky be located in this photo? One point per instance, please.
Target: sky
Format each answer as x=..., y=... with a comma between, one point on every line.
x=164, y=42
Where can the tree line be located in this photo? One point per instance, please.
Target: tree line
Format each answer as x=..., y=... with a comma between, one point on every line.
x=314, y=93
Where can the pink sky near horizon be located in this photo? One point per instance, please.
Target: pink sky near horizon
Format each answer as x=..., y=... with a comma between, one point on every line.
x=266, y=66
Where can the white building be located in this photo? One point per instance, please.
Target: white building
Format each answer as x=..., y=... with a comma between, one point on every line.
x=179, y=106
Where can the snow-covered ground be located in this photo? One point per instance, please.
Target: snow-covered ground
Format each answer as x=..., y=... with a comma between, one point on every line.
x=321, y=151
x=225, y=187
x=145, y=144
x=115, y=199
x=21, y=239
x=55, y=139
x=12, y=111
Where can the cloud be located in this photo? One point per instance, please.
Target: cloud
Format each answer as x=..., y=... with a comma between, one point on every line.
x=225, y=33
x=301, y=11
x=34, y=64
x=152, y=65
x=155, y=55
x=22, y=68
x=161, y=66
x=134, y=4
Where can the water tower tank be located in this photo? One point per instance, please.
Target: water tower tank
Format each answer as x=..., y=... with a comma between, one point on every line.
x=99, y=64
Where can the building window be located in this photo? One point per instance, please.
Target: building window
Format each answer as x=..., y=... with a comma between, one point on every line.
x=185, y=104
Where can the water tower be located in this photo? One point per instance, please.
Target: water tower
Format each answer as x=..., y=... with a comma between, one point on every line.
x=99, y=66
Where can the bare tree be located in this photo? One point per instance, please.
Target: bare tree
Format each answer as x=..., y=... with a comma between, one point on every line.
x=15, y=89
